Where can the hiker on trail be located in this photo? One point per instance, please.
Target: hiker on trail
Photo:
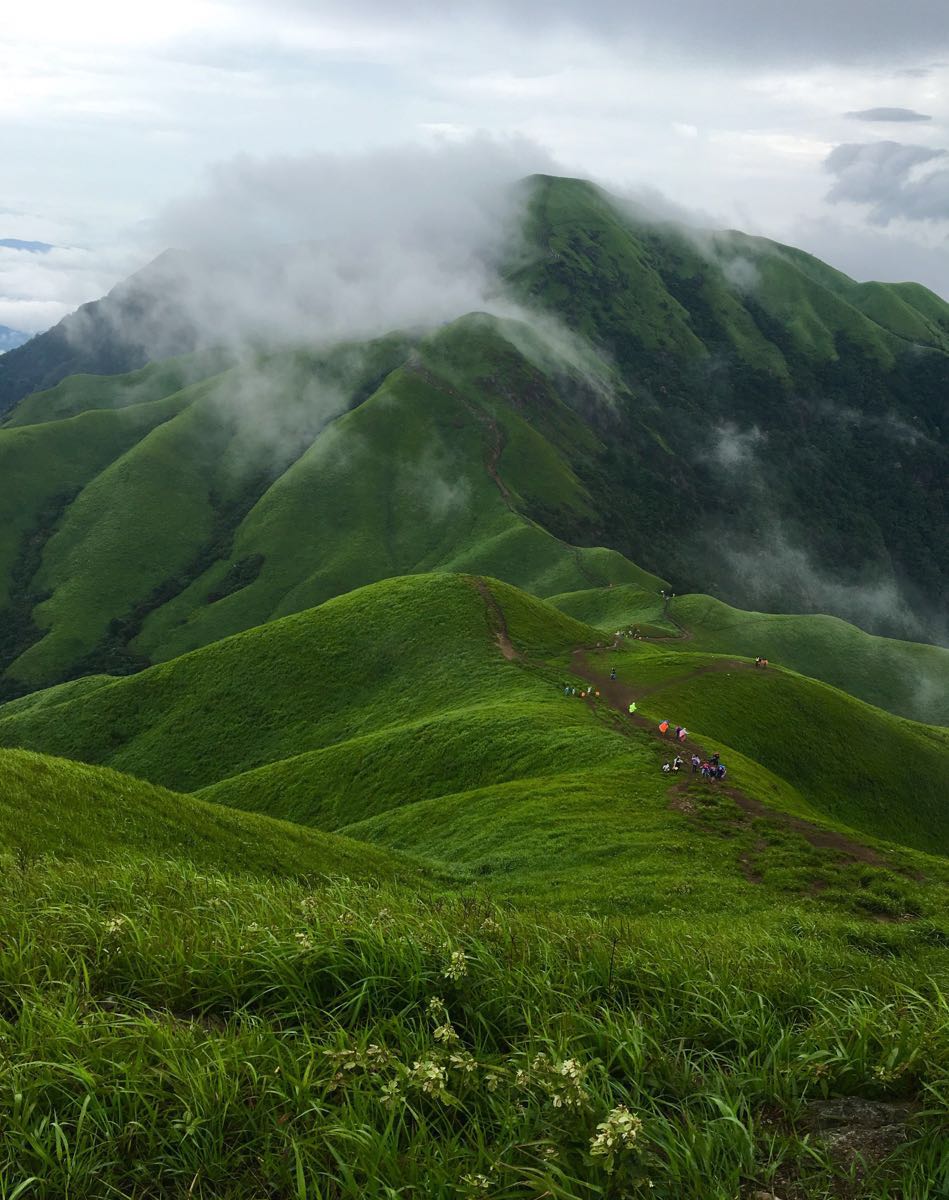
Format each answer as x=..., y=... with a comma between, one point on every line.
x=677, y=762
x=678, y=731
x=714, y=760
x=706, y=771
x=720, y=773
x=663, y=727
x=695, y=764
x=632, y=708
x=636, y=633
x=612, y=672
x=683, y=734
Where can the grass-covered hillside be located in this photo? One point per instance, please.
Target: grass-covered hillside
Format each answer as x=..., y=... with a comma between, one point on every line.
x=139, y=530
x=581, y=976
x=428, y=715
x=910, y=679
x=743, y=994
x=782, y=442
x=53, y=808
x=729, y=413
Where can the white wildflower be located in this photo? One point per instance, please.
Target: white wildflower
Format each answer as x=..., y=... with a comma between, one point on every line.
x=457, y=965
x=478, y=1185
x=462, y=1061
x=615, y=1135
x=429, y=1075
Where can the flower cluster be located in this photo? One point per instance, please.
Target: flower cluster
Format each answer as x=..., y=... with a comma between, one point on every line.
x=563, y=1082
x=461, y=1060
x=115, y=924
x=370, y=1061
x=457, y=966
x=616, y=1135
x=428, y=1075
x=477, y=1185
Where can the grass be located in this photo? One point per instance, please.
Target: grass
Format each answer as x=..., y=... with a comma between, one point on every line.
x=425, y=738
x=906, y=678
x=197, y=1001
x=176, y=1031
x=89, y=814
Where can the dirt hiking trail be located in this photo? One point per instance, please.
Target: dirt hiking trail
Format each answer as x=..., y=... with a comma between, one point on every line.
x=620, y=695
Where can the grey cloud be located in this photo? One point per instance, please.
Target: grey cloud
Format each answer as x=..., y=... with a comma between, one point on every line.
x=810, y=31
x=888, y=178
x=888, y=114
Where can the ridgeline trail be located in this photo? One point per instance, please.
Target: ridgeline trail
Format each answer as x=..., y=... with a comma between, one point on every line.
x=620, y=695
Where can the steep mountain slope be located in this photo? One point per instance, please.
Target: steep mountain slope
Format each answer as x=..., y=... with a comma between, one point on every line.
x=295, y=478
x=429, y=712
x=138, y=321
x=778, y=446
x=728, y=412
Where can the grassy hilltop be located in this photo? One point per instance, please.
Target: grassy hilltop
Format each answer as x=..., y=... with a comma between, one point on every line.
x=430, y=737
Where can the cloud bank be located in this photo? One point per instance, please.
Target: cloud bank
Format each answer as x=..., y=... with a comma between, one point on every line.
x=892, y=180
x=323, y=247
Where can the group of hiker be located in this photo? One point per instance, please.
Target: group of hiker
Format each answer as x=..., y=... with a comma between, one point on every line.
x=711, y=768
x=714, y=768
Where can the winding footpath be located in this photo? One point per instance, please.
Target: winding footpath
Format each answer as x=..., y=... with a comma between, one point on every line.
x=620, y=695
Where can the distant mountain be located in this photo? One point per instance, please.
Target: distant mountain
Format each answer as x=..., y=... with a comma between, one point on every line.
x=136, y=323
x=733, y=415
x=30, y=247
x=11, y=338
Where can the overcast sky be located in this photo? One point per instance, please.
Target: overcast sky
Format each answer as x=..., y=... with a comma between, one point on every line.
x=824, y=123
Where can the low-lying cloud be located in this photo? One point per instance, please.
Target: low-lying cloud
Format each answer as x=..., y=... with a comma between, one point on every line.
x=39, y=288
x=778, y=572
x=324, y=247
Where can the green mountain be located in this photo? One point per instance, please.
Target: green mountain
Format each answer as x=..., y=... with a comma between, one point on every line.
x=733, y=415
